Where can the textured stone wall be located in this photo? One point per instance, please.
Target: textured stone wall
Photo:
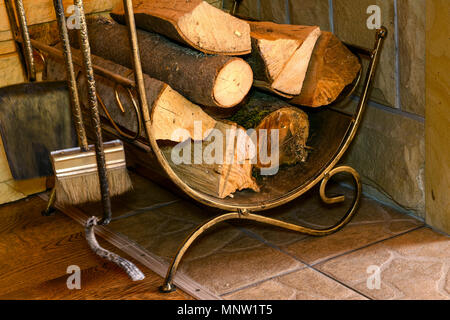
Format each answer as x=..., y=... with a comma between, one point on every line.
x=389, y=150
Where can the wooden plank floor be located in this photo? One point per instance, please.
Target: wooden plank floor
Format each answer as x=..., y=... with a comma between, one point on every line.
x=36, y=251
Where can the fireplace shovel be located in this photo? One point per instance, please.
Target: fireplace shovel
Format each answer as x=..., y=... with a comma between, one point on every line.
x=35, y=117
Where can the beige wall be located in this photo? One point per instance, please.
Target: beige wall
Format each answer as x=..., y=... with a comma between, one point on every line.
x=438, y=114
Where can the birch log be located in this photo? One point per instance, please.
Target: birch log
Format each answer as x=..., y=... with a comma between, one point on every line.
x=214, y=81
x=195, y=23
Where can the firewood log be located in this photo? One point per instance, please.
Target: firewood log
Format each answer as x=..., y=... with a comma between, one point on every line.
x=229, y=171
x=171, y=111
x=263, y=111
x=332, y=67
x=195, y=23
x=214, y=81
x=281, y=55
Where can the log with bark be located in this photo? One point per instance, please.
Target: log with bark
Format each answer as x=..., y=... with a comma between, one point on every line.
x=263, y=111
x=281, y=55
x=194, y=22
x=214, y=81
x=332, y=67
x=171, y=111
x=218, y=166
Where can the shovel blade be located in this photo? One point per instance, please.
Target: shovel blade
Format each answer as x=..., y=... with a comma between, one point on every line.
x=35, y=119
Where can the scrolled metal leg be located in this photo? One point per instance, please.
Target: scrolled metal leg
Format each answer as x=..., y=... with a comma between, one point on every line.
x=168, y=282
x=243, y=215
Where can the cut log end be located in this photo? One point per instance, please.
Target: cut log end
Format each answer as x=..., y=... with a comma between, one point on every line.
x=230, y=172
x=233, y=82
x=333, y=66
x=174, y=118
x=290, y=80
x=293, y=126
x=264, y=112
x=213, y=31
x=281, y=55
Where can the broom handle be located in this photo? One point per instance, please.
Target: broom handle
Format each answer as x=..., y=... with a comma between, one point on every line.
x=70, y=74
x=95, y=116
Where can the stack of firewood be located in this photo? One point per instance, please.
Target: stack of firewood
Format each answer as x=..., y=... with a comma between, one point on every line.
x=200, y=65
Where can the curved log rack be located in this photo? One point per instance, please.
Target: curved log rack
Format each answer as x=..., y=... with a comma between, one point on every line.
x=335, y=132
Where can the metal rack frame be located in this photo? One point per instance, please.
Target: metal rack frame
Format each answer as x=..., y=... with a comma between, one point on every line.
x=234, y=211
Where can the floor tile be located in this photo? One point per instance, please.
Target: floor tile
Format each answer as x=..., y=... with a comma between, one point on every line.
x=144, y=194
x=412, y=266
x=242, y=262
x=305, y=284
x=373, y=222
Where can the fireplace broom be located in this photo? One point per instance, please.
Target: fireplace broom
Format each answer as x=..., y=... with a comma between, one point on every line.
x=87, y=173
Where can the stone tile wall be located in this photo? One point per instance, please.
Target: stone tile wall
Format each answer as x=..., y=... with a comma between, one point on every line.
x=389, y=151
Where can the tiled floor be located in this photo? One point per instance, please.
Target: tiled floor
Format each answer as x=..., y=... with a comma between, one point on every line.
x=242, y=260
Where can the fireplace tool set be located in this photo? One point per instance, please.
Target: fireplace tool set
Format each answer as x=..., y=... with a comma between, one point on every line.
x=335, y=132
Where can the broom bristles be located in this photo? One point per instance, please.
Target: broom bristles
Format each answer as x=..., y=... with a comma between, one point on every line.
x=86, y=188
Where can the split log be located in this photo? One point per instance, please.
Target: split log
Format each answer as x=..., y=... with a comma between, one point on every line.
x=214, y=81
x=221, y=164
x=281, y=55
x=171, y=111
x=195, y=23
x=267, y=112
x=333, y=66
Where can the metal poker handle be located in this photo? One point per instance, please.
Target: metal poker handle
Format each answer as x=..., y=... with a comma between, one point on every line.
x=95, y=115
x=21, y=37
x=70, y=73
x=26, y=43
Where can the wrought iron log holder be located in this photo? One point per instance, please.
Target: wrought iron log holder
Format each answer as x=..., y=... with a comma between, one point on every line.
x=335, y=132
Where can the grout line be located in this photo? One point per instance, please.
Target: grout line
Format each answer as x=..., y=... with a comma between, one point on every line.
x=384, y=199
x=269, y=244
x=306, y=265
x=342, y=283
x=263, y=281
x=395, y=111
x=367, y=246
x=331, y=15
x=313, y=265
x=397, y=57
